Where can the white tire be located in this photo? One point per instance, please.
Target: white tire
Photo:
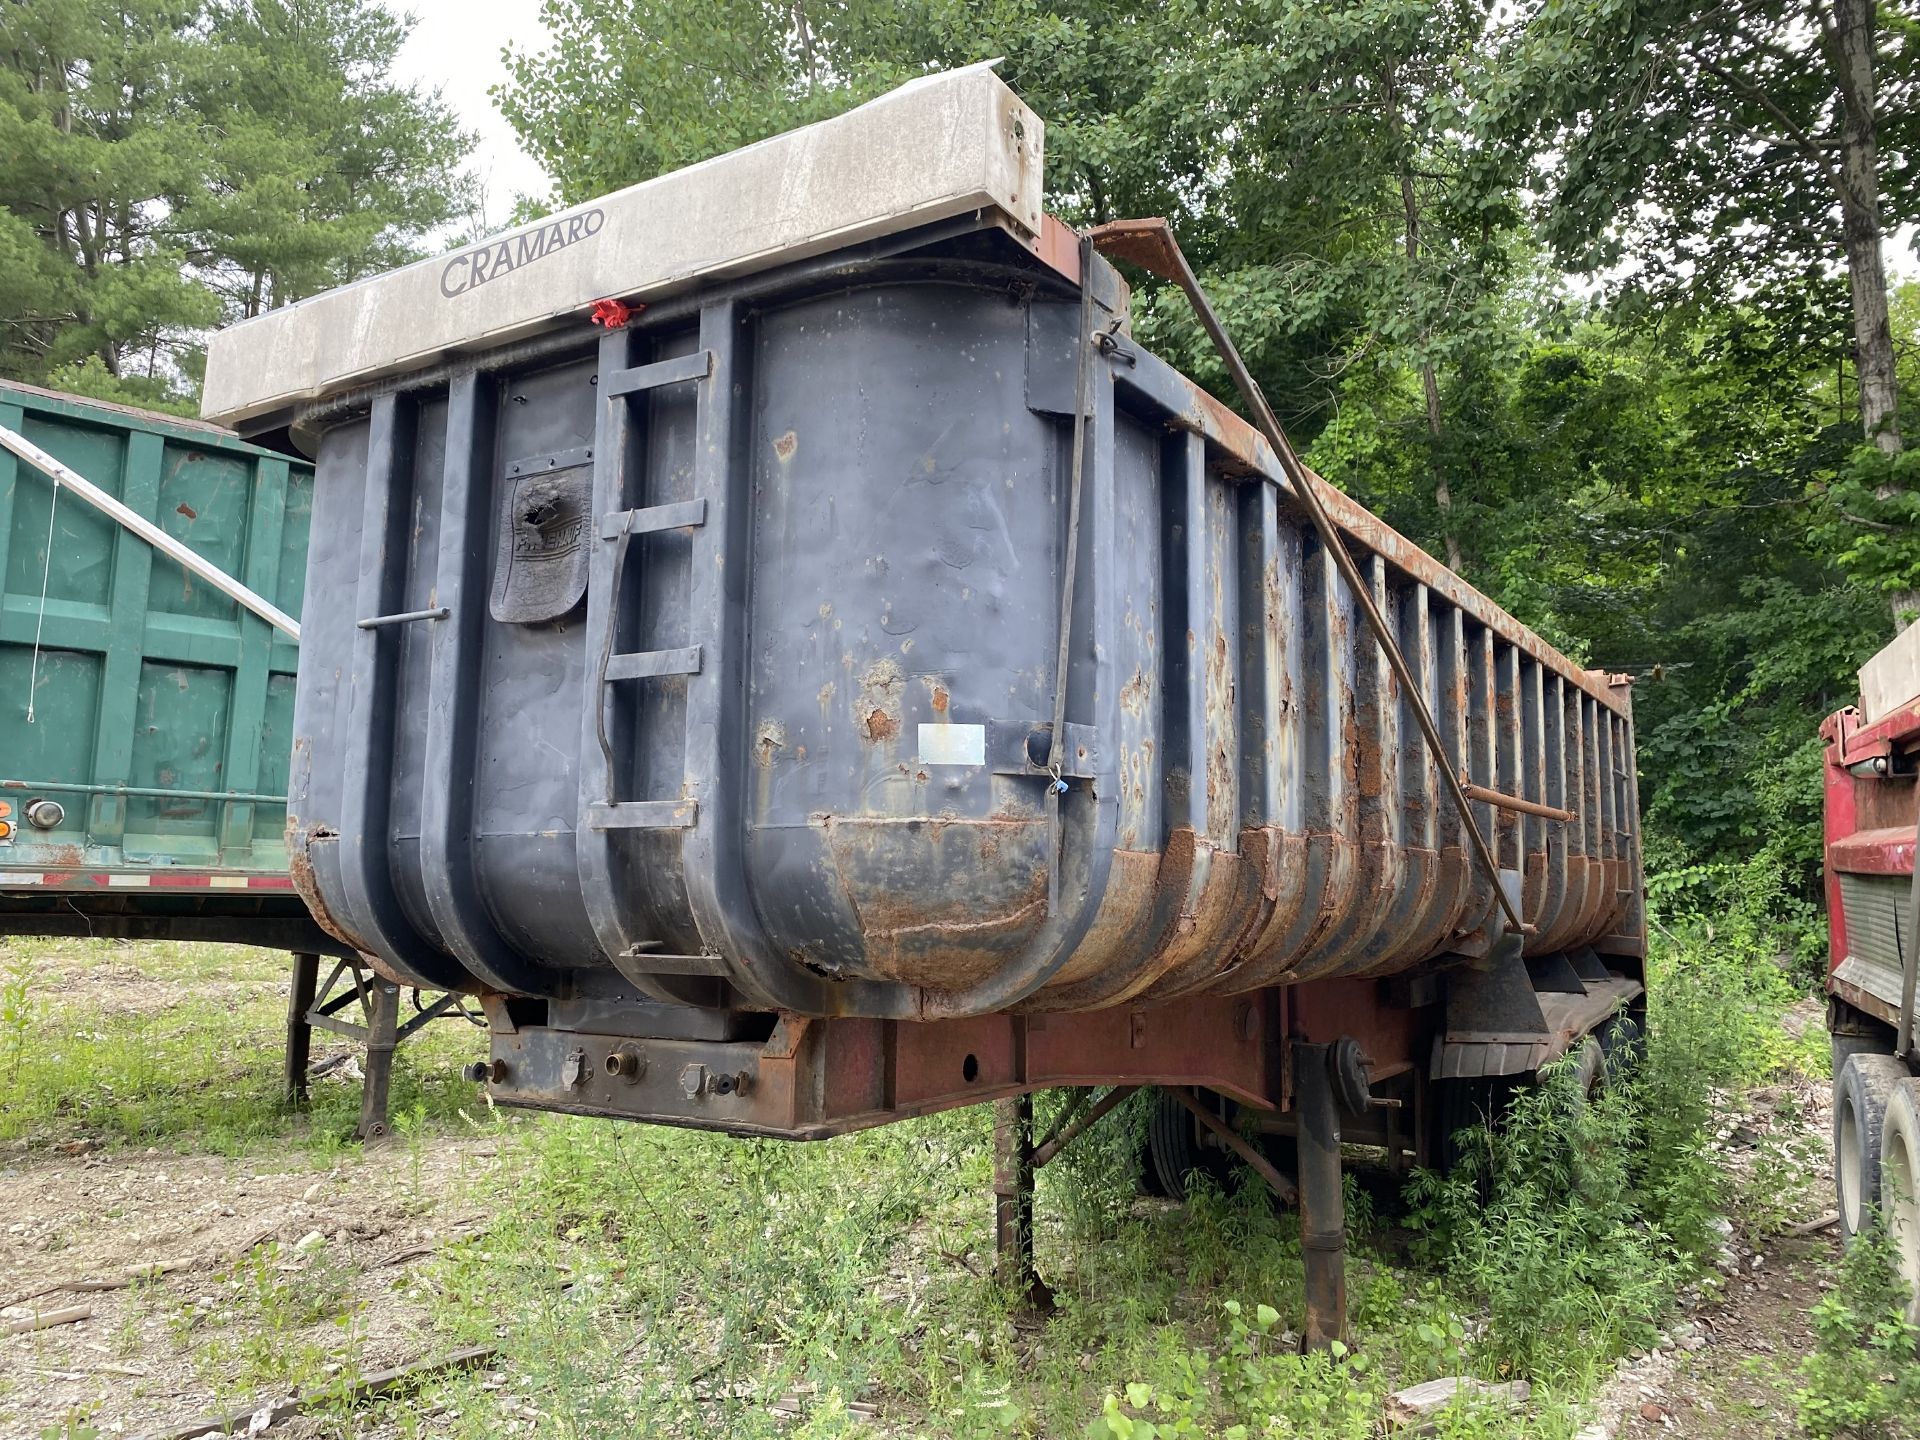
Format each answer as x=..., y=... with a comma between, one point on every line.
x=1900, y=1185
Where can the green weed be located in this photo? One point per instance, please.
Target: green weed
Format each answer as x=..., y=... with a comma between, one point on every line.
x=285, y=1320
x=16, y=1013
x=194, y=1063
x=1863, y=1378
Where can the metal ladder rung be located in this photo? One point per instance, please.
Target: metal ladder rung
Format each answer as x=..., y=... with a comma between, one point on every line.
x=654, y=518
x=696, y=366
x=645, y=664
x=643, y=815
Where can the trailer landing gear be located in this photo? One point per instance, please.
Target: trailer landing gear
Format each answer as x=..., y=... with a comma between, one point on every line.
x=1319, y=1192
x=381, y=1030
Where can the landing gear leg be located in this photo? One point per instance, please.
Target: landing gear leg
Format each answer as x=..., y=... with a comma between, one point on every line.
x=306, y=978
x=382, y=1026
x=1323, y=1223
x=1013, y=1201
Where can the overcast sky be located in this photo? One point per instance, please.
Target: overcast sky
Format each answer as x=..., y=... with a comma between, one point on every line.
x=455, y=46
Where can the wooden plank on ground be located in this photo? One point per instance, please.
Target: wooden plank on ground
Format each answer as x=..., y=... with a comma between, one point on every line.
x=368, y=1386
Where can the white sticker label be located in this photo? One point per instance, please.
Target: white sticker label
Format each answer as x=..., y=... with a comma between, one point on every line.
x=953, y=744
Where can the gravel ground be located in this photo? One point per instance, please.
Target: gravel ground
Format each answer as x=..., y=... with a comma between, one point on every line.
x=149, y=1356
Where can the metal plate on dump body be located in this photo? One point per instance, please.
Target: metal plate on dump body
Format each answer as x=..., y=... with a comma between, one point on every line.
x=953, y=744
x=934, y=148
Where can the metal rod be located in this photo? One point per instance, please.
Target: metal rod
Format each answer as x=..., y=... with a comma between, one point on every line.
x=1323, y=1217
x=405, y=617
x=306, y=975
x=1502, y=801
x=1068, y=1114
x=149, y=532
x=1078, y=1125
x=1144, y=242
x=1070, y=562
x=145, y=792
x=1234, y=1141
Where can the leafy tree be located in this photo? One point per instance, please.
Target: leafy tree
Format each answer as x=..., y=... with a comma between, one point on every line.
x=1727, y=148
x=99, y=145
x=367, y=167
x=169, y=164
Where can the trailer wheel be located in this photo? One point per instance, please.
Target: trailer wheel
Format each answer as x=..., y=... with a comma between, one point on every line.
x=1623, y=1041
x=1861, y=1092
x=1175, y=1149
x=1465, y=1104
x=1590, y=1069
x=1900, y=1185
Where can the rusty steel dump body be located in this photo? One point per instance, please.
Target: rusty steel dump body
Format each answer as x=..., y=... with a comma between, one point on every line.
x=688, y=691
x=730, y=667
x=833, y=670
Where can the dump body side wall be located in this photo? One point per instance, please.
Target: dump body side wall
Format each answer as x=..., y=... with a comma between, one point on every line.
x=760, y=602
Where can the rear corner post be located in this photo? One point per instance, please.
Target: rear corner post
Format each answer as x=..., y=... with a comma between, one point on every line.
x=1323, y=1224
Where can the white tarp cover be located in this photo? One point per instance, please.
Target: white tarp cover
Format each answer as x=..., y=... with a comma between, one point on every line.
x=934, y=148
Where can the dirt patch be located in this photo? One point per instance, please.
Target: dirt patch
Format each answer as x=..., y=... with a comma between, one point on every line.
x=1728, y=1368
x=141, y=1361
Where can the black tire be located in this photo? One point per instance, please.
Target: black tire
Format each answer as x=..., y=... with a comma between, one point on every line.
x=1861, y=1092
x=1175, y=1149
x=1623, y=1042
x=1464, y=1104
x=1900, y=1186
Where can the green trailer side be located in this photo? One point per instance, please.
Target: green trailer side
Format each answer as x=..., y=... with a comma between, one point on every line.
x=155, y=712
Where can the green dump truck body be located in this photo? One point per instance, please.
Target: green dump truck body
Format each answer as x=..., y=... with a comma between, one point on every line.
x=152, y=710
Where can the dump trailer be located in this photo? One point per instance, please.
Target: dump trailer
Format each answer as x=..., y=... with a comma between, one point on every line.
x=146, y=718
x=153, y=569
x=777, y=638
x=1873, y=919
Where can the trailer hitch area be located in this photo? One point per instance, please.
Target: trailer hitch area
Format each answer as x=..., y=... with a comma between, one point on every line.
x=711, y=1084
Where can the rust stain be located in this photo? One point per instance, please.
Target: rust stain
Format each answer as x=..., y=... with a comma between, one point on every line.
x=772, y=737
x=187, y=510
x=877, y=708
x=940, y=699
x=786, y=445
x=300, y=868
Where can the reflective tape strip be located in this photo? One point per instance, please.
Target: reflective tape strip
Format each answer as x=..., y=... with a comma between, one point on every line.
x=161, y=880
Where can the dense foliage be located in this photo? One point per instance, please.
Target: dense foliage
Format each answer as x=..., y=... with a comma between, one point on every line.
x=170, y=165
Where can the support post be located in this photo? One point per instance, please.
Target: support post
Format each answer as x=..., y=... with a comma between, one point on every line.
x=1323, y=1223
x=382, y=1024
x=1013, y=1201
x=300, y=993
